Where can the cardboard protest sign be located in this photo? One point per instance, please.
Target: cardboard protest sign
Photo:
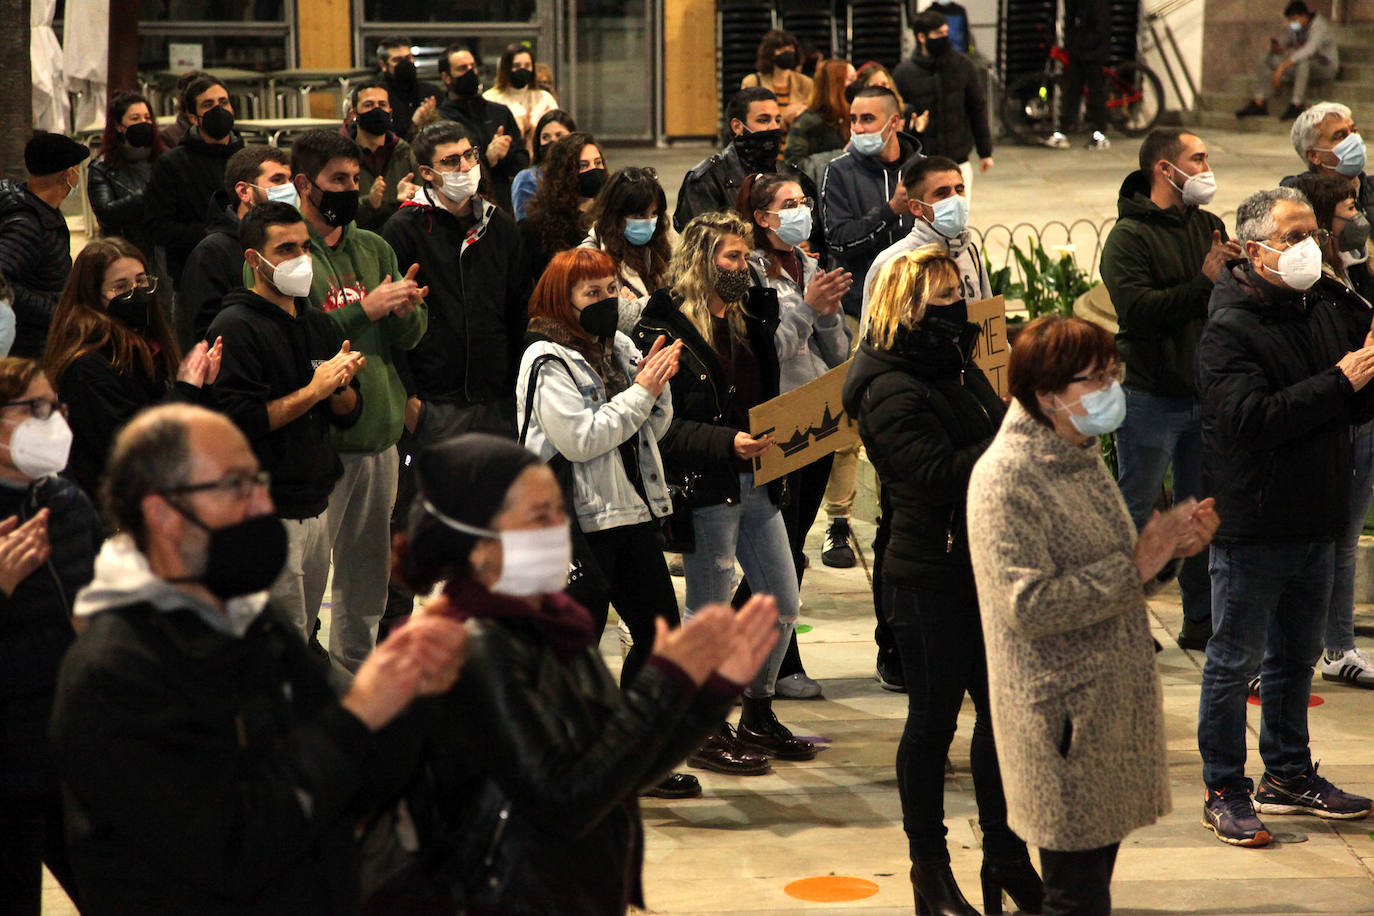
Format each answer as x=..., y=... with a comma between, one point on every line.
x=991, y=353
x=809, y=423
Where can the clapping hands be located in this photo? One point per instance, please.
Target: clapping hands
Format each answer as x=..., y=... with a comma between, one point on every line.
x=719, y=641
x=1183, y=531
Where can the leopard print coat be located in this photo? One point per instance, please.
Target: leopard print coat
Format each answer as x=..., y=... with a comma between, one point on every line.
x=1076, y=701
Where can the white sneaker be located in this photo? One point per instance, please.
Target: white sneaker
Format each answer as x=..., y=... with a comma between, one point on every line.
x=626, y=640
x=1099, y=141
x=1352, y=667
x=1057, y=140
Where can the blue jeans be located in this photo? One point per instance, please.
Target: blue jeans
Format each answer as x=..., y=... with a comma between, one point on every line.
x=1340, y=619
x=1267, y=618
x=1158, y=432
x=753, y=532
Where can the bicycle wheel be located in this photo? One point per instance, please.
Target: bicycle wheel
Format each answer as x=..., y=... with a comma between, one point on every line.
x=1030, y=107
x=1135, y=98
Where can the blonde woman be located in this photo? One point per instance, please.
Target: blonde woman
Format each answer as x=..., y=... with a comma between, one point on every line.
x=728, y=364
x=926, y=412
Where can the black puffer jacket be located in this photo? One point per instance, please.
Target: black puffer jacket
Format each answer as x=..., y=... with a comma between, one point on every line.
x=540, y=764
x=1276, y=412
x=479, y=293
x=116, y=194
x=926, y=414
x=699, y=448
x=214, y=267
x=211, y=774
x=950, y=87
x=36, y=628
x=184, y=179
x=268, y=355
x=35, y=257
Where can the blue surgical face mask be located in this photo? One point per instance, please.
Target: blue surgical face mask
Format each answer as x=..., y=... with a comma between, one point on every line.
x=794, y=225
x=1106, y=409
x=1349, y=155
x=640, y=231
x=286, y=193
x=868, y=144
x=950, y=216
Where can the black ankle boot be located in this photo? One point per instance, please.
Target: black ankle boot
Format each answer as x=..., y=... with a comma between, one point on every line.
x=759, y=730
x=936, y=892
x=1020, y=881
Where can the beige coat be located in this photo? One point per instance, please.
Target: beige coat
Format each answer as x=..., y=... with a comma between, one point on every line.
x=1076, y=702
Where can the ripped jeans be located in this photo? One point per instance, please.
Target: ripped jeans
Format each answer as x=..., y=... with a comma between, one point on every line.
x=753, y=532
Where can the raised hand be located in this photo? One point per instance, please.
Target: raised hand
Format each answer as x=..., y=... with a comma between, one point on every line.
x=406, y=188
x=498, y=147
x=335, y=372
x=700, y=645
x=659, y=366
x=422, y=657
x=826, y=290
x=1161, y=539
x=194, y=365
x=416, y=295
x=23, y=548
x=213, y=358
x=390, y=295
x=377, y=192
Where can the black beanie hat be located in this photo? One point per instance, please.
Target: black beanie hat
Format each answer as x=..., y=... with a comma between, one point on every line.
x=49, y=153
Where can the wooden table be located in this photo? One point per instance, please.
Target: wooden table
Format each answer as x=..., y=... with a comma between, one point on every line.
x=273, y=130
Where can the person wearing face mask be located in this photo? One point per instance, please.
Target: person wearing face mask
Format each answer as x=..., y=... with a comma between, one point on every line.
x=413, y=101
x=777, y=67
x=1281, y=382
x=461, y=375
x=1159, y=264
x=110, y=353
x=926, y=413
x=387, y=175
x=729, y=328
x=231, y=774
x=118, y=176
x=357, y=282
x=810, y=340
x=946, y=83
x=1326, y=139
x=630, y=223
x=287, y=376
x=552, y=127
x=1308, y=50
x=536, y=749
x=586, y=400
x=35, y=245
x=755, y=124
x=865, y=206
x=516, y=89
x=50, y=535
x=253, y=175
x=499, y=137
x=574, y=173
x=1062, y=581
x=187, y=176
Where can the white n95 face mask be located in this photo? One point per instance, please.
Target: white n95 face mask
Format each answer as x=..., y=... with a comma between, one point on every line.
x=1300, y=265
x=40, y=447
x=459, y=186
x=1198, y=190
x=293, y=276
x=534, y=561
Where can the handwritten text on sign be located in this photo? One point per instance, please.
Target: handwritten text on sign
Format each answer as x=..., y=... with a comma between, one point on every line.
x=991, y=353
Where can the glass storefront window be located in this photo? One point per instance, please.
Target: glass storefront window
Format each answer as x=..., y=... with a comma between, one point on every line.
x=452, y=11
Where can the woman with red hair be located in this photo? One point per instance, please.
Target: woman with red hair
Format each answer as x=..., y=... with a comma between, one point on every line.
x=583, y=396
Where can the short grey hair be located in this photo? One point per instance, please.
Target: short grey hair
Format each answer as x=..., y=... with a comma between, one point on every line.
x=1304, y=132
x=150, y=454
x=1255, y=215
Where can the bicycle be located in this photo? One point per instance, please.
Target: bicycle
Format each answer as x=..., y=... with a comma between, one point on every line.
x=1031, y=105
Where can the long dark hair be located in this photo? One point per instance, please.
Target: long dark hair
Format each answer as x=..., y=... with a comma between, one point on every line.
x=629, y=192
x=556, y=205
x=756, y=193
x=549, y=117
x=113, y=139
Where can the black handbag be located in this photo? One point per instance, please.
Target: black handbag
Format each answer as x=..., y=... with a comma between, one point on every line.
x=679, y=534
x=585, y=578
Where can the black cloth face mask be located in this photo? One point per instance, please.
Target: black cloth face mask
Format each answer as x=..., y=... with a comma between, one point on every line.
x=134, y=308
x=140, y=134
x=785, y=60
x=404, y=71
x=375, y=121
x=759, y=149
x=336, y=207
x=465, y=86
x=242, y=558
x=937, y=47
x=521, y=79
x=217, y=123
x=590, y=182
x=601, y=318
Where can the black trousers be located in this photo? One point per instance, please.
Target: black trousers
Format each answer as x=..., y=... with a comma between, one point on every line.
x=940, y=640
x=882, y=633
x=31, y=837
x=631, y=560
x=1077, y=75
x=807, y=488
x=1078, y=883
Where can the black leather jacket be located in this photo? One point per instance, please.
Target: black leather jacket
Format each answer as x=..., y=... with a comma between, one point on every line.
x=539, y=767
x=699, y=448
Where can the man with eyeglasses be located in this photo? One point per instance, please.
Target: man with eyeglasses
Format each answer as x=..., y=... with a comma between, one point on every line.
x=1159, y=263
x=1284, y=367
x=493, y=127
x=1328, y=142
x=286, y=379
x=253, y=175
x=460, y=377
x=207, y=763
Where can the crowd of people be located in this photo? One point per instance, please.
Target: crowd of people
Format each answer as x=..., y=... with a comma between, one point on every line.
x=447, y=351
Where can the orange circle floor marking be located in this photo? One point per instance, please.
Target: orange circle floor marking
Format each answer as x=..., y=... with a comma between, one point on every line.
x=831, y=889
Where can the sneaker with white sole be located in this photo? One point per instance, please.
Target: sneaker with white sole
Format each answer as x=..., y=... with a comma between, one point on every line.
x=1099, y=141
x=1309, y=793
x=797, y=687
x=1057, y=140
x=1350, y=667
